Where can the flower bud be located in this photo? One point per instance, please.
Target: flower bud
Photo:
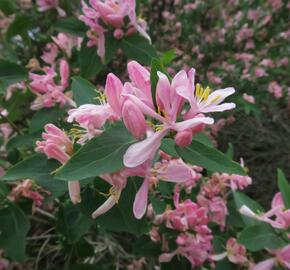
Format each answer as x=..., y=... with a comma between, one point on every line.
x=183, y=138
x=74, y=191
x=118, y=34
x=134, y=119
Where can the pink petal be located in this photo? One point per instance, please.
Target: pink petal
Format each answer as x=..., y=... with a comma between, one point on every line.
x=113, y=90
x=141, y=200
x=139, y=152
x=74, y=191
x=163, y=93
x=192, y=123
x=265, y=265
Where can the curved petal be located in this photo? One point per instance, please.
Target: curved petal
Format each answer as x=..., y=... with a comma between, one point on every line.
x=146, y=109
x=163, y=92
x=265, y=265
x=74, y=191
x=192, y=123
x=105, y=207
x=218, y=108
x=141, y=200
x=218, y=96
x=113, y=90
x=139, y=152
x=176, y=173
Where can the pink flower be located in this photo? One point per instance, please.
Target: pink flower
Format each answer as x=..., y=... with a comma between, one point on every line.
x=57, y=145
x=67, y=42
x=47, y=90
x=275, y=89
x=281, y=257
x=249, y=98
x=275, y=4
x=44, y=5
x=101, y=14
x=239, y=181
x=118, y=181
x=50, y=53
x=260, y=72
x=278, y=217
x=91, y=118
x=170, y=99
x=236, y=252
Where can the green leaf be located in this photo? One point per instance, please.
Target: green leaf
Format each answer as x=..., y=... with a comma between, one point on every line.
x=8, y=6
x=167, y=57
x=242, y=199
x=138, y=48
x=45, y=116
x=27, y=140
x=112, y=46
x=202, y=138
x=72, y=26
x=14, y=226
x=145, y=247
x=284, y=188
x=156, y=66
x=38, y=168
x=83, y=91
x=168, y=146
x=90, y=62
x=210, y=158
x=20, y=26
x=103, y=154
x=158, y=205
x=73, y=223
x=10, y=73
x=261, y=236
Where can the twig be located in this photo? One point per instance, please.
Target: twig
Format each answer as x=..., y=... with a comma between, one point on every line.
x=39, y=253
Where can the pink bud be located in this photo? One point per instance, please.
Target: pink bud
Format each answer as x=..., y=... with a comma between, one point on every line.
x=74, y=191
x=183, y=138
x=118, y=33
x=134, y=119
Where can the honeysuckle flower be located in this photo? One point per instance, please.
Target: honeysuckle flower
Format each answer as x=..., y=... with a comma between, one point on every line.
x=249, y=98
x=281, y=257
x=44, y=5
x=174, y=170
x=57, y=145
x=67, y=42
x=101, y=14
x=132, y=116
x=118, y=182
x=91, y=118
x=275, y=89
x=278, y=217
x=235, y=252
x=47, y=90
x=169, y=103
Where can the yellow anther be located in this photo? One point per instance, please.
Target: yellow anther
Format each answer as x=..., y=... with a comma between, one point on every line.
x=159, y=127
x=205, y=93
x=197, y=90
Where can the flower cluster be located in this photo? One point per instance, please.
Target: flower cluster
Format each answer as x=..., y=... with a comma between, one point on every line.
x=101, y=16
x=48, y=91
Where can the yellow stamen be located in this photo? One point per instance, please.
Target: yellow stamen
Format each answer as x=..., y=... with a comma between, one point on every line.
x=215, y=99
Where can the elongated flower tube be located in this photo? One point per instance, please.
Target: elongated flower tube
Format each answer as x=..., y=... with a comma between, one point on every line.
x=57, y=145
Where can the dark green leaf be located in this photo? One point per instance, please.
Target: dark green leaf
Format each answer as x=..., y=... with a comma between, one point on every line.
x=14, y=226
x=210, y=158
x=73, y=223
x=138, y=48
x=45, y=116
x=112, y=45
x=10, y=73
x=20, y=26
x=38, y=168
x=261, y=236
x=27, y=140
x=7, y=6
x=72, y=26
x=168, y=146
x=90, y=62
x=83, y=91
x=158, y=205
x=103, y=154
x=284, y=188
x=145, y=247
